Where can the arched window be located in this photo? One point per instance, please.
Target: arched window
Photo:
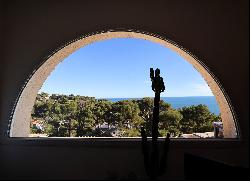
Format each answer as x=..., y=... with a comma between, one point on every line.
x=20, y=122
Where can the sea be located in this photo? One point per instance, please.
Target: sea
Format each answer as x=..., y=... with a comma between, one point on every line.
x=179, y=102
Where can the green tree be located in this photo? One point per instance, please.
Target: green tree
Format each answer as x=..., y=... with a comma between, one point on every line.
x=130, y=114
x=146, y=106
x=169, y=121
x=99, y=110
x=69, y=108
x=52, y=126
x=197, y=119
x=126, y=114
x=41, y=109
x=81, y=115
x=130, y=132
x=84, y=117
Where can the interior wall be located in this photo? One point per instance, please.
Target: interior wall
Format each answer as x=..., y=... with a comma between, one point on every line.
x=215, y=31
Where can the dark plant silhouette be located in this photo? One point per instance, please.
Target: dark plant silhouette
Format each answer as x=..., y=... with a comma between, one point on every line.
x=153, y=166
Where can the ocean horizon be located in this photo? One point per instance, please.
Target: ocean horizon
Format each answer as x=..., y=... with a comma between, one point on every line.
x=179, y=102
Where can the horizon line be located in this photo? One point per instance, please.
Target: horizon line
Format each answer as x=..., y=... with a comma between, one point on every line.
x=148, y=96
x=123, y=97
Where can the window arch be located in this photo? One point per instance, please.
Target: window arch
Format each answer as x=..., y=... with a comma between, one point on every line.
x=20, y=120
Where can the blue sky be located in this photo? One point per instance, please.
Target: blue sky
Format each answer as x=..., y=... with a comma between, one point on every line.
x=119, y=68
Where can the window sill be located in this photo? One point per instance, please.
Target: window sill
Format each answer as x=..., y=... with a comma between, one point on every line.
x=177, y=143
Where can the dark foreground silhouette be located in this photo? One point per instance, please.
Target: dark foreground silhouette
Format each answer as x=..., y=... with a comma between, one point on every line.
x=153, y=166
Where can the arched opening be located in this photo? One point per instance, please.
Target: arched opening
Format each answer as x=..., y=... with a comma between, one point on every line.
x=21, y=117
